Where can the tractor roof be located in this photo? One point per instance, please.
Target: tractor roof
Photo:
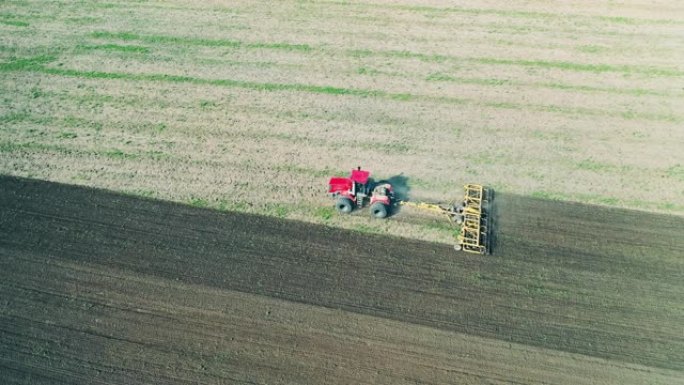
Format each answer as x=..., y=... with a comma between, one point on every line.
x=360, y=176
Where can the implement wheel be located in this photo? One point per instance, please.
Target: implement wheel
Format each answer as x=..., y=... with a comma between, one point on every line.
x=344, y=205
x=378, y=210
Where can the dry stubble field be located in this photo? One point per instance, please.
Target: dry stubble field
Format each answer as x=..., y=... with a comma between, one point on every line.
x=250, y=106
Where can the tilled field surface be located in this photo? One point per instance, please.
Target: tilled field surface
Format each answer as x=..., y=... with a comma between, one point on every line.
x=97, y=287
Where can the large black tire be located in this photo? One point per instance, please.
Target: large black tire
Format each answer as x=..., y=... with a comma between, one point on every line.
x=344, y=205
x=379, y=210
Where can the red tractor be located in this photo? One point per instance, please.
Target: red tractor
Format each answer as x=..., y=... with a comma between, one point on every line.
x=359, y=190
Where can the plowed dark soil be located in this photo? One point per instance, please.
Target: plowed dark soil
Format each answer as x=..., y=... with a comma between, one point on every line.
x=99, y=287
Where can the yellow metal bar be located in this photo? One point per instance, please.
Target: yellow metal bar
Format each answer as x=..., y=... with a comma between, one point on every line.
x=436, y=208
x=423, y=206
x=473, y=233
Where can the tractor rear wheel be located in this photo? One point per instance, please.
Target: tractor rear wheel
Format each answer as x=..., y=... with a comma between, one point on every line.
x=378, y=210
x=344, y=205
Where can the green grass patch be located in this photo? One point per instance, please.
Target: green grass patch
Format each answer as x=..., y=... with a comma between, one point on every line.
x=27, y=64
x=434, y=58
x=554, y=135
x=631, y=21
x=82, y=20
x=216, y=82
x=226, y=205
x=76, y=122
x=118, y=154
x=434, y=77
x=402, y=96
x=206, y=104
x=198, y=202
x=10, y=147
x=67, y=135
x=669, y=206
x=36, y=93
x=14, y=117
x=159, y=127
x=15, y=23
x=592, y=165
x=367, y=71
x=441, y=77
x=546, y=64
x=114, y=48
x=676, y=172
x=582, y=67
x=156, y=155
x=195, y=41
x=324, y=213
x=609, y=201
x=612, y=90
x=277, y=210
x=390, y=148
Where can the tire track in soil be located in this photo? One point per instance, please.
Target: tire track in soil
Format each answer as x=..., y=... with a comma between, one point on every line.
x=115, y=327
x=582, y=279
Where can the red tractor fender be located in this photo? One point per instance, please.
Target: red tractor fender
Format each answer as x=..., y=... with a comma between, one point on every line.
x=338, y=185
x=341, y=187
x=383, y=193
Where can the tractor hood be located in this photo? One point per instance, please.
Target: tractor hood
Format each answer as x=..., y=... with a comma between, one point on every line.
x=339, y=184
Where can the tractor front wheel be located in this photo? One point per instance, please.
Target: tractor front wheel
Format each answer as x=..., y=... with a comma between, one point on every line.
x=344, y=205
x=378, y=210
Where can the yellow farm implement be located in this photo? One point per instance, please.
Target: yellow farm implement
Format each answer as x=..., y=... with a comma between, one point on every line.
x=470, y=215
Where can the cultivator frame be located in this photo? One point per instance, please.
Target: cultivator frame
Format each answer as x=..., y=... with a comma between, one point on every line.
x=473, y=236
x=471, y=215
